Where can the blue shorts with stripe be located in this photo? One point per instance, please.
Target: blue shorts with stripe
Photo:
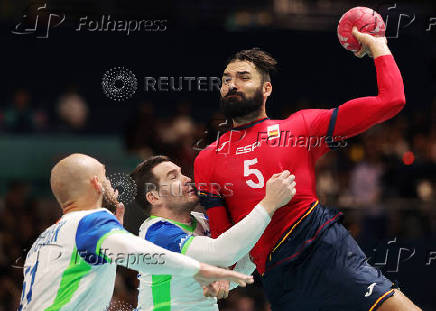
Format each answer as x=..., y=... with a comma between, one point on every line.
x=319, y=266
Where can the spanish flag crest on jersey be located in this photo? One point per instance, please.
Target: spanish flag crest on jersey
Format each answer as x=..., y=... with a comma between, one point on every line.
x=273, y=131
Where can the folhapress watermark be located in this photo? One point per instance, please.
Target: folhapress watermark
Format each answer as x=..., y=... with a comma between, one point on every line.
x=398, y=18
x=272, y=138
x=106, y=23
x=395, y=254
x=38, y=20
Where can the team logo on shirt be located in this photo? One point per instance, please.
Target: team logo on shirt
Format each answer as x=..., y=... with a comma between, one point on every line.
x=222, y=146
x=370, y=289
x=273, y=131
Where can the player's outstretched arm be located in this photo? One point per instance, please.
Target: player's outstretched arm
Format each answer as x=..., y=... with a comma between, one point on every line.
x=236, y=242
x=134, y=253
x=357, y=115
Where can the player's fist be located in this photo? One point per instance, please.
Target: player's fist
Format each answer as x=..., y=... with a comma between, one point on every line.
x=209, y=274
x=279, y=190
x=373, y=46
x=219, y=289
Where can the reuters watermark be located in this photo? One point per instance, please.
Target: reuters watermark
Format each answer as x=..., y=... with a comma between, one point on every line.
x=177, y=84
x=120, y=83
x=179, y=190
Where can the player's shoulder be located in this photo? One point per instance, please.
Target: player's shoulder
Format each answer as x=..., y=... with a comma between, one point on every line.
x=165, y=234
x=97, y=216
x=155, y=228
x=95, y=224
x=211, y=150
x=301, y=114
x=206, y=153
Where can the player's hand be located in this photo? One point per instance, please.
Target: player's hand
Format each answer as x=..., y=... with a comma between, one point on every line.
x=218, y=289
x=119, y=212
x=209, y=274
x=373, y=46
x=279, y=190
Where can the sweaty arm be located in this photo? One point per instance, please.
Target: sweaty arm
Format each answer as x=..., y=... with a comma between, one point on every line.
x=357, y=115
x=101, y=239
x=232, y=245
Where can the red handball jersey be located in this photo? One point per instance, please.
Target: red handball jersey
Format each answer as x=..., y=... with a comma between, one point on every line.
x=231, y=173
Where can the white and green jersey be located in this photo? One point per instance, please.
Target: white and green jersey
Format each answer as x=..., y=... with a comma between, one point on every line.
x=170, y=292
x=63, y=269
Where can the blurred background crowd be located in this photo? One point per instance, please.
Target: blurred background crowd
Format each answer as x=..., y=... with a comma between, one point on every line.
x=51, y=104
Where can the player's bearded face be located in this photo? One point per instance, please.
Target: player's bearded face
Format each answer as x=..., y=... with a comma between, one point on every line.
x=109, y=194
x=236, y=104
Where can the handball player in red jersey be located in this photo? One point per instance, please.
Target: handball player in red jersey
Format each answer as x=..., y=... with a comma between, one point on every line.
x=307, y=259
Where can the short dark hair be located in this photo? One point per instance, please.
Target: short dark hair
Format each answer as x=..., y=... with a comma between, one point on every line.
x=144, y=177
x=263, y=61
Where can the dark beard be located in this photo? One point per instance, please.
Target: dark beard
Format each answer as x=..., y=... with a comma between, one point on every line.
x=236, y=107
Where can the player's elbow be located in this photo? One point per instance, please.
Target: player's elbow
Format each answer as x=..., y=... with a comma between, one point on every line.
x=395, y=103
x=398, y=101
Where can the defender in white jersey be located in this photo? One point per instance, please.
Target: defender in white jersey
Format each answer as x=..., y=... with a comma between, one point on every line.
x=169, y=199
x=72, y=265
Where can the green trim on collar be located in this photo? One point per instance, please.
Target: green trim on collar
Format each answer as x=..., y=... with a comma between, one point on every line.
x=190, y=228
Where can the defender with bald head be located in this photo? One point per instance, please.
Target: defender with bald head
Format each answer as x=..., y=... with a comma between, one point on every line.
x=72, y=264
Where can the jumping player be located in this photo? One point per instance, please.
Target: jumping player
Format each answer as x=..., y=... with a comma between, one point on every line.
x=72, y=264
x=307, y=259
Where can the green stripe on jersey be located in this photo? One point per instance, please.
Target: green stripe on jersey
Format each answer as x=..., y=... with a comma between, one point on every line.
x=161, y=291
x=101, y=240
x=76, y=270
x=186, y=245
x=190, y=228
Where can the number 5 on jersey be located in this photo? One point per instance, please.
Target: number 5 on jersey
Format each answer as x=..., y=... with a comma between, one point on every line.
x=252, y=171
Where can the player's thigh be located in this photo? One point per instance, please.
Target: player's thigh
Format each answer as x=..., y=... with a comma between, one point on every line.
x=398, y=302
x=354, y=284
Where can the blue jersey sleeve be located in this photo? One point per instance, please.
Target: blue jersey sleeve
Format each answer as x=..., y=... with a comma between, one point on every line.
x=91, y=232
x=168, y=236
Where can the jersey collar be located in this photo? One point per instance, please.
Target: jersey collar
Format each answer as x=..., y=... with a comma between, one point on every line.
x=247, y=125
x=190, y=228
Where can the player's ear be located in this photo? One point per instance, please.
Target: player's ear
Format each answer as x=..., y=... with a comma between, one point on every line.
x=97, y=185
x=267, y=88
x=152, y=197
